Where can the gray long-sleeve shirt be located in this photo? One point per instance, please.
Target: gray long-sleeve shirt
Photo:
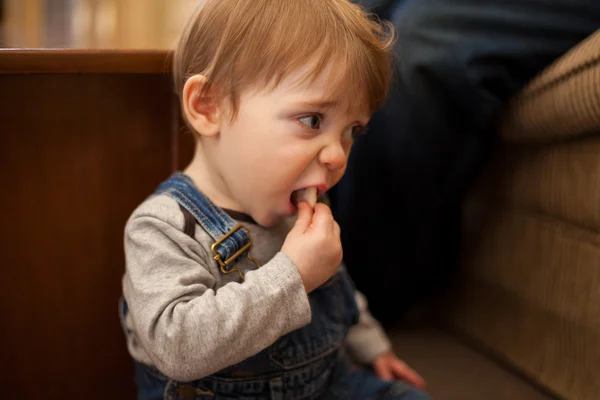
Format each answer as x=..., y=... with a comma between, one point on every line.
x=190, y=320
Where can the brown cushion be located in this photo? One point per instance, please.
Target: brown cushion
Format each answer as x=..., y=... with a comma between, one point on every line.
x=561, y=180
x=529, y=288
x=455, y=371
x=562, y=102
x=529, y=293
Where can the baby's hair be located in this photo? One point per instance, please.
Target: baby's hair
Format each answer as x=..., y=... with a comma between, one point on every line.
x=239, y=44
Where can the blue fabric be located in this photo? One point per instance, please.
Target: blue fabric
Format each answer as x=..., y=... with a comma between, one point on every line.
x=361, y=384
x=308, y=363
x=457, y=62
x=214, y=220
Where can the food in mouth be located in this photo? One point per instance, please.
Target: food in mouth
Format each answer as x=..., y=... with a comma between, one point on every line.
x=308, y=195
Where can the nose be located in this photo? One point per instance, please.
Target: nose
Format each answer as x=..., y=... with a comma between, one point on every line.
x=334, y=156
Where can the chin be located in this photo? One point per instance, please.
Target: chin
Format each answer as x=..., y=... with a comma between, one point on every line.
x=271, y=217
x=266, y=220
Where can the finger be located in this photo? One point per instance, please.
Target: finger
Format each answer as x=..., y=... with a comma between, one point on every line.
x=305, y=216
x=383, y=371
x=404, y=372
x=336, y=229
x=322, y=217
x=323, y=209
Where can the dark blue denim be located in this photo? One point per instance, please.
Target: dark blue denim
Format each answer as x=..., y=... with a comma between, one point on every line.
x=214, y=220
x=457, y=62
x=308, y=363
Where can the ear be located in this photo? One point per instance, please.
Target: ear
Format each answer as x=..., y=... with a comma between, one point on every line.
x=201, y=108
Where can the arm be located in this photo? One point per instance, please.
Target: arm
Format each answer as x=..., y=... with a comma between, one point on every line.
x=188, y=330
x=368, y=344
x=367, y=339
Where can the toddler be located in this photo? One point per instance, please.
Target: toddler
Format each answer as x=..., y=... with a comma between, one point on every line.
x=234, y=286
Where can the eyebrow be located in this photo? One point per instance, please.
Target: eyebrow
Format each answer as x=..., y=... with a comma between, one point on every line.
x=319, y=103
x=323, y=105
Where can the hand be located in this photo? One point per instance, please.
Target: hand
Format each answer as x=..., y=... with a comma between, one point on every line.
x=314, y=245
x=388, y=367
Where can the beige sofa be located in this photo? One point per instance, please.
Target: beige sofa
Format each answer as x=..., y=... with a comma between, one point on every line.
x=522, y=319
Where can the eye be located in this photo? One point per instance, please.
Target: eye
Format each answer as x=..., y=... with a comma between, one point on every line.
x=358, y=130
x=311, y=121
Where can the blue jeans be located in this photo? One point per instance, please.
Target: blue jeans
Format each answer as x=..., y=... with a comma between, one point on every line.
x=357, y=384
x=308, y=363
x=458, y=61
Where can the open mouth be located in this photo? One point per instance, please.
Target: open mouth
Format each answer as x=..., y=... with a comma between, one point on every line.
x=309, y=195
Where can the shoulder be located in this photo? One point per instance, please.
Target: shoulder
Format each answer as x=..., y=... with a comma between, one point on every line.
x=162, y=212
x=161, y=208
x=159, y=220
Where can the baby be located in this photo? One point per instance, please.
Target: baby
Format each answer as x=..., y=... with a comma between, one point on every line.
x=234, y=286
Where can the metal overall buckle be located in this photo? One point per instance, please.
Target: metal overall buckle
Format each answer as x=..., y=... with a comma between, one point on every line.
x=245, y=248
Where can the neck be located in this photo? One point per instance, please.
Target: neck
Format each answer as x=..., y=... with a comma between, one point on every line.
x=202, y=169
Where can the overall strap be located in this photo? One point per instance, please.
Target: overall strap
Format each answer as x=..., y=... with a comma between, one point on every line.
x=232, y=240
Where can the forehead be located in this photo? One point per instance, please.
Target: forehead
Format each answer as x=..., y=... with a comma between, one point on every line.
x=329, y=87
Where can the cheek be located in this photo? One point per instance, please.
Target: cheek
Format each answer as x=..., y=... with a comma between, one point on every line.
x=291, y=165
x=282, y=168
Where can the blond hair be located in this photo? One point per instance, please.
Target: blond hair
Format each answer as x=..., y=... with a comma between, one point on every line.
x=237, y=44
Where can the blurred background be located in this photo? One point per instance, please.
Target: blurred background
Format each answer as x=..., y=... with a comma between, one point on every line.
x=122, y=24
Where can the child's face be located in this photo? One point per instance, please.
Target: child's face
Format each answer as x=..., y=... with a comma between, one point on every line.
x=290, y=138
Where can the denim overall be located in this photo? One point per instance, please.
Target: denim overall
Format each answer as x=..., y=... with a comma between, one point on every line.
x=308, y=363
